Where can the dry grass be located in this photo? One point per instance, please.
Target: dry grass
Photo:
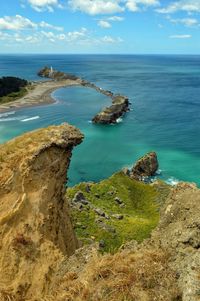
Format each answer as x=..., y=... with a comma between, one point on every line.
x=124, y=276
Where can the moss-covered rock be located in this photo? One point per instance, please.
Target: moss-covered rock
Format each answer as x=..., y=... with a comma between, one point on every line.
x=137, y=204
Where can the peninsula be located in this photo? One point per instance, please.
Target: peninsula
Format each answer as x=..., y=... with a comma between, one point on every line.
x=39, y=93
x=109, y=115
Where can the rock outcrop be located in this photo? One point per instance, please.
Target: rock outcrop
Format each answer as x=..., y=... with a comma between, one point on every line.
x=55, y=74
x=109, y=115
x=35, y=228
x=144, y=167
x=178, y=233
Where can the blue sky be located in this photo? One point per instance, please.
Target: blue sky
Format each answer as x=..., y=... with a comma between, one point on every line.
x=99, y=26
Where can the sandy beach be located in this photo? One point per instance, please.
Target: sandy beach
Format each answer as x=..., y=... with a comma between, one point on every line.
x=39, y=94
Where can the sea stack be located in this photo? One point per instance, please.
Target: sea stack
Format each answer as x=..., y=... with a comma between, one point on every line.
x=146, y=166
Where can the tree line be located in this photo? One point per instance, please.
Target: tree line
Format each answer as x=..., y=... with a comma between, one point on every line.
x=9, y=84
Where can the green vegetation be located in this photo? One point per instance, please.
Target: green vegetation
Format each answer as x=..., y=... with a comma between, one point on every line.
x=139, y=208
x=12, y=88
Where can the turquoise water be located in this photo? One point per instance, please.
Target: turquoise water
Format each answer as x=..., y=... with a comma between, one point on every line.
x=164, y=116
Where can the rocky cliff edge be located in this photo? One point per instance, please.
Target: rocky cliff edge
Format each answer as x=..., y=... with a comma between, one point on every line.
x=35, y=228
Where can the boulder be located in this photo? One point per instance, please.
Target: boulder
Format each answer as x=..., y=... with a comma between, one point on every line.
x=118, y=216
x=80, y=198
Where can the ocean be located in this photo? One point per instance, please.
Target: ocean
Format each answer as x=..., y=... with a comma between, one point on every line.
x=165, y=111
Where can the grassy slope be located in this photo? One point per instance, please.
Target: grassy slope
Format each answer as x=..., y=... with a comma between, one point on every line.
x=141, y=211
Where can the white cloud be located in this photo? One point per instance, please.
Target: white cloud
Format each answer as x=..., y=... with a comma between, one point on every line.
x=16, y=23
x=73, y=36
x=182, y=5
x=95, y=7
x=47, y=25
x=110, y=40
x=180, y=36
x=135, y=5
x=42, y=5
x=115, y=18
x=104, y=24
x=189, y=22
x=81, y=37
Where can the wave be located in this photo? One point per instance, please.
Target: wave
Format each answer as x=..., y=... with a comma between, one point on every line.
x=11, y=119
x=172, y=181
x=29, y=119
x=7, y=114
x=119, y=120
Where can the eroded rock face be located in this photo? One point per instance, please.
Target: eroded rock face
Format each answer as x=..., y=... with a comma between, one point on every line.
x=179, y=234
x=35, y=228
x=145, y=166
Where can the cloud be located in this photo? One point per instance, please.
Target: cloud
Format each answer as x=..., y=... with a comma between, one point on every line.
x=104, y=24
x=180, y=36
x=188, y=22
x=47, y=25
x=135, y=5
x=16, y=23
x=95, y=7
x=115, y=19
x=189, y=6
x=111, y=40
x=82, y=37
x=42, y=5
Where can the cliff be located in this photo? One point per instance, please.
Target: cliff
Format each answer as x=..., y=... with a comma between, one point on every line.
x=36, y=231
x=39, y=259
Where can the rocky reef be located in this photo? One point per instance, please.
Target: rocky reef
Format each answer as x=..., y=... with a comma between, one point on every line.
x=36, y=231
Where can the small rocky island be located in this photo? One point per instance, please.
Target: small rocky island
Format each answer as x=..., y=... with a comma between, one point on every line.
x=120, y=105
x=145, y=167
x=109, y=115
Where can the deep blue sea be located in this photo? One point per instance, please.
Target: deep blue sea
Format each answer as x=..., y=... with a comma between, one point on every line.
x=164, y=117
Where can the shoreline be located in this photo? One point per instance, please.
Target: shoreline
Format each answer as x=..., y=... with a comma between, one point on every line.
x=39, y=95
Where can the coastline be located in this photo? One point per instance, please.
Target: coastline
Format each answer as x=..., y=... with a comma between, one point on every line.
x=39, y=95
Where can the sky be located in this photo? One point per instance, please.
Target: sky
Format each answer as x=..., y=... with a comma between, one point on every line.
x=100, y=26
